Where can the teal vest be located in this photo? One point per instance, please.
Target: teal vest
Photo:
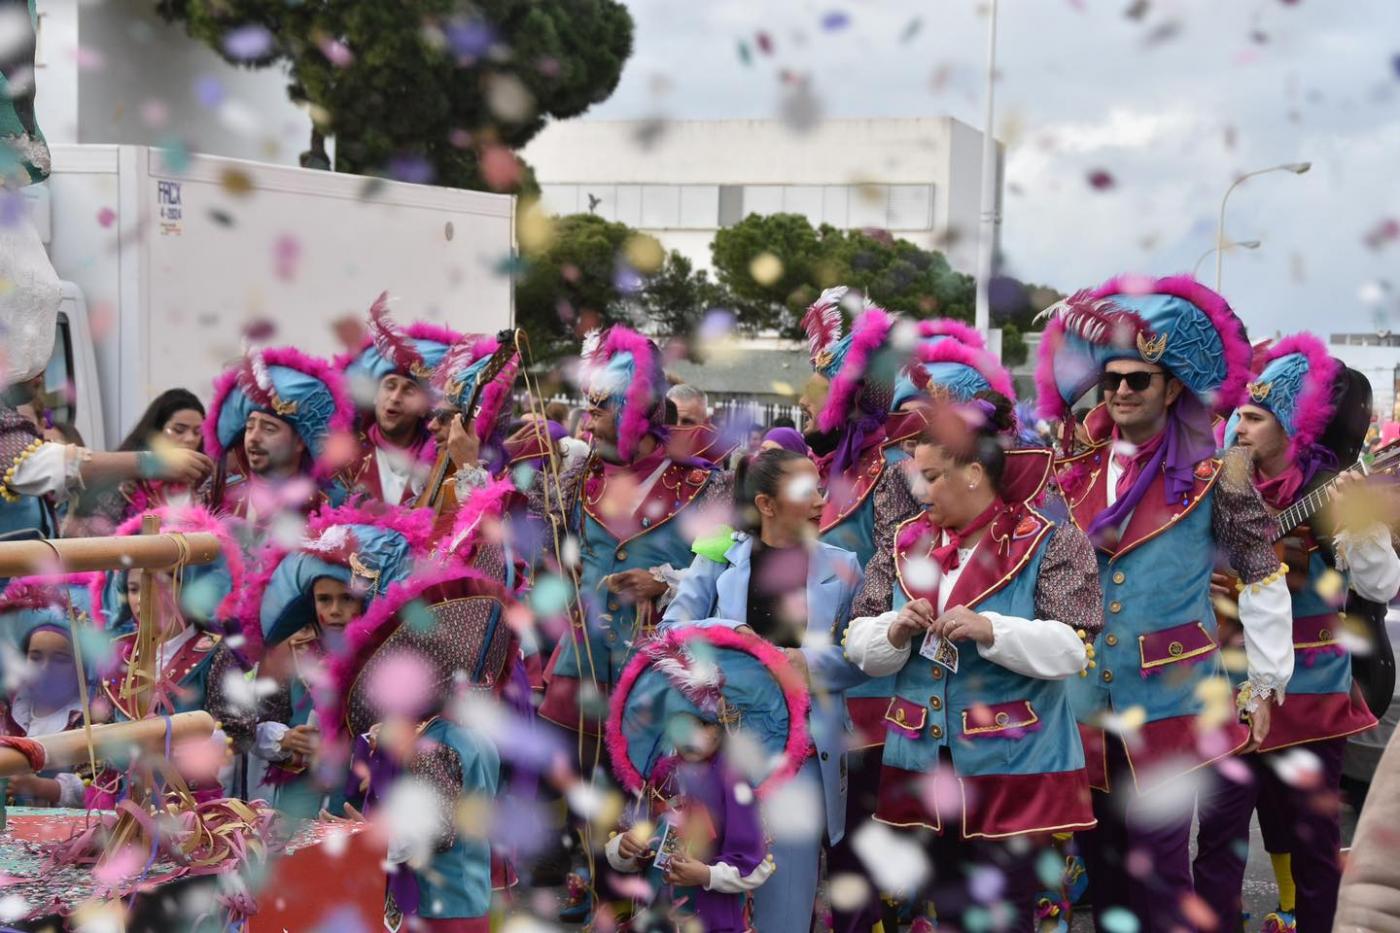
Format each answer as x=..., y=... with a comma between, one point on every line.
x=457, y=882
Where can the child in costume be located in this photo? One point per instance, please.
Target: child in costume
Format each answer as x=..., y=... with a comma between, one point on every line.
x=298, y=608
x=43, y=693
x=695, y=826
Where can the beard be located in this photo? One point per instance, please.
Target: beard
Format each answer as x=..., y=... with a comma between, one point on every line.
x=823, y=442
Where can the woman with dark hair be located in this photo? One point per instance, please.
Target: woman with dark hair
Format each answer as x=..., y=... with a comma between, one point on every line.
x=776, y=580
x=982, y=608
x=175, y=418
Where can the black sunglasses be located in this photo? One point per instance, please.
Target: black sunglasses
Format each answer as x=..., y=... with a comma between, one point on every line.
x=1138, y=381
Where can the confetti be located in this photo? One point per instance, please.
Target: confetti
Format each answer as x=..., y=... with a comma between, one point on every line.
x=766, y=269
x=500, y=168
x=106, y=217
x=209, y=91
x=247, y=43
x=1100, y=180
x=236, y=182
x=764, y=43
x=835, y=21
x=911, y=29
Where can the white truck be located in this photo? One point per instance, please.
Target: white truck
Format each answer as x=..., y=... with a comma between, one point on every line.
x=167, y=268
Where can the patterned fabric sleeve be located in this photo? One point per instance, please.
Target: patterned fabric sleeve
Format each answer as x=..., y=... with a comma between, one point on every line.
x=718, y=494
x=543, y=496
x=19, y=439
x=894, y=505
x=1242, y=526
x=440, y=767
x=239, y=720
x=277, y=706
x=1068, y=589
x=877, y=591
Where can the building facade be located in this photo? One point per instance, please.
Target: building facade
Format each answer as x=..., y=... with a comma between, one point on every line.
x=681, y=181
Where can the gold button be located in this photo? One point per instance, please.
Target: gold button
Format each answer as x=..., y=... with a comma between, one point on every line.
x=899, y=716
x=1002, y=719
x=936, y=731
x=937, y=672
x=935, y=703
x=621, y=553
x=1175, y=649
x=1115, y=606
x=1108, y=677
x=1119, y=576
x=1324, y=635
x=1111, y=640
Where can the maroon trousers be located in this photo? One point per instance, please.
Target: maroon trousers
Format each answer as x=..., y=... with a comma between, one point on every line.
x=1138, y=865
x=1300, y=820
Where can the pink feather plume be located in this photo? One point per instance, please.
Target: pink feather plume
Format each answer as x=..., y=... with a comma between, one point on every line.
x=1314, y=406
x=822, y=321
x=870, y=331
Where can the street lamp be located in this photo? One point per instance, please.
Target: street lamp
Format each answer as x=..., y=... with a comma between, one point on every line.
x=1242, y=244
x=1297, y=168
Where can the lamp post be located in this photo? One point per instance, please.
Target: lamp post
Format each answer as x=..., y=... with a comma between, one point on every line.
x=1242, y=244
x=987, y=232
x=1297, y=168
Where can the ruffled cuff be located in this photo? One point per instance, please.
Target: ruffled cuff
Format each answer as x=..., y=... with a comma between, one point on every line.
x=268, y=742
x=1260, y=689
x=1266, y=616
x=867, y=645
x=37, y=470
x=469, y=479
x=672, y=578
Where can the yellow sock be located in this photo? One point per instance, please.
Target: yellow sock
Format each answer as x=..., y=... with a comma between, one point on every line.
x=1283, y=874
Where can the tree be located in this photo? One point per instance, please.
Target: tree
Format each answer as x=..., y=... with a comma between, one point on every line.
x=899, y=275
x=436, y=90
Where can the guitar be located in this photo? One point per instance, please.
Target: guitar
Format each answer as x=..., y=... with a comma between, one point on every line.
x=431, y=497
x=1385, y=460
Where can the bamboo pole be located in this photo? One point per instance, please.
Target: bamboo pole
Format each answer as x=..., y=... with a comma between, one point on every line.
x=114, y=742
x=79, y=555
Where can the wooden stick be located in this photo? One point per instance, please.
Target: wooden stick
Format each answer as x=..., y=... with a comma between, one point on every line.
x=114, y=741
x=78, y=555
x=141, y=673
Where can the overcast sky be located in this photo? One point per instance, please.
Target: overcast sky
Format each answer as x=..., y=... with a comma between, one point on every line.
x=1173, y=99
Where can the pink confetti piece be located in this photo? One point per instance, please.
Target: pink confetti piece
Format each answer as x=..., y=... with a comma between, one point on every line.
x=106, y=217
x=1101, y=180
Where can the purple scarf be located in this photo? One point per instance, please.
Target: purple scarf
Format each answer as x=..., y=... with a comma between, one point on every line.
x=853, y=441
x=740, y=844
x=1189, y=441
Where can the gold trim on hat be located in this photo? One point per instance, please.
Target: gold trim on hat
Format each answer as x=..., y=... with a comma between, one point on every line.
x=1151, y=348
x=1260, y=390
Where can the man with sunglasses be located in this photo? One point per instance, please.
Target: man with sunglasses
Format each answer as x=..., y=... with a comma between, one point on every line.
x=1155, y=705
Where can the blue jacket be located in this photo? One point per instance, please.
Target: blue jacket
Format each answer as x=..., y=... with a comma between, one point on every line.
x=718, y=593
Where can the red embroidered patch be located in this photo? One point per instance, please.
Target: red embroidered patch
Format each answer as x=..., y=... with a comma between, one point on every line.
x=1027, y=526
x=696, y=477
x=1205, y=469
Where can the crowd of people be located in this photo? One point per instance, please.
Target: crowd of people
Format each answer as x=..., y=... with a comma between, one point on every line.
x=933, y=657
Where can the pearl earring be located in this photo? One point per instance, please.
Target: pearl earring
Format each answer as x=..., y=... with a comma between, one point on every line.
x=971, y=485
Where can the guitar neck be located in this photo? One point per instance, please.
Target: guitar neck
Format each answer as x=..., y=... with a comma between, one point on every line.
x=1306, y=507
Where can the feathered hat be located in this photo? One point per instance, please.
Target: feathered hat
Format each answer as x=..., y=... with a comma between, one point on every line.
x=1174, y=322
x=413, y=351
x=951, y=360
x=446, y=623
x=862, y=365
x=54, y=602
x=367, y=548
x=209, y=593
x=1296, y=383
x=717, y=675
x=304, y=391
x=461, y=370
x=622, y=370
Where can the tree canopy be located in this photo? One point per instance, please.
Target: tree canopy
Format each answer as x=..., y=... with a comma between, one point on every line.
x=435, y=91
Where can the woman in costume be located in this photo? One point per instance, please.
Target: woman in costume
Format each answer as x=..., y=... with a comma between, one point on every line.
x=779, y=582
x=683, y=703
x=295, y=612
x=981, y=608
x=193, y=613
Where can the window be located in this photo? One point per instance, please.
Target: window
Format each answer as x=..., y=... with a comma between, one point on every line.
x=629, y=205
x=699, y=207
x=731, y=205
x=870, y=206
x=58, y=376
x=911, y=207
x=559, y=199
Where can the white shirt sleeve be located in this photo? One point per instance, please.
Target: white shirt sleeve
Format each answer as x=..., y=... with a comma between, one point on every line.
x=43, y=472
x=1266, y=615
x=725, y=879
x=1040, y=648
x=867, y=645
x=267, y=743
x=672, y=578
x=615, y=859
x=1370, y=557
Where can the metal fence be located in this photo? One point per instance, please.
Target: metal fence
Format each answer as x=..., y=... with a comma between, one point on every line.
x=723, y=410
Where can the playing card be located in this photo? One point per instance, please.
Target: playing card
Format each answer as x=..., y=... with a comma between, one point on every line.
x=668, y=846
x=940, y=651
